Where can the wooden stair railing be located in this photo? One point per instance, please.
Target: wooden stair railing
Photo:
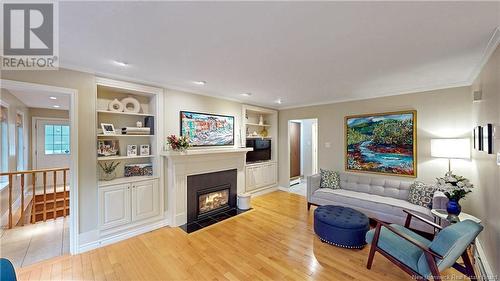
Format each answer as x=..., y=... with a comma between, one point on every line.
x=58, y=202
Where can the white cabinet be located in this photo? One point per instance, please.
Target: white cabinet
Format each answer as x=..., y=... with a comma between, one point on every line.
x=114, y=206
x=126, y=204
x=260, y=175
x=145, y=203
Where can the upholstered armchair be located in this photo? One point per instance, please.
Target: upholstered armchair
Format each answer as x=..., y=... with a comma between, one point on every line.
x=420, y=257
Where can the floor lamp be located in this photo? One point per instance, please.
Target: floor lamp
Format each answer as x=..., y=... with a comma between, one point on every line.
x=450, y=149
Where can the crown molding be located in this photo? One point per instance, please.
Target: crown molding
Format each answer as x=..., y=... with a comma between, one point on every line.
x=488, y=51
x=386, y=94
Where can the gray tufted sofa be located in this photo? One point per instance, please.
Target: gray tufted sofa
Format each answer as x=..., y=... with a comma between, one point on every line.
x=377, y=197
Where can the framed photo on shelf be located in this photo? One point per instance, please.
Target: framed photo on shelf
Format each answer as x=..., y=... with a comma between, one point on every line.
x=108, y=129
x=132, y=150
x=108, y=148
x=144, y=149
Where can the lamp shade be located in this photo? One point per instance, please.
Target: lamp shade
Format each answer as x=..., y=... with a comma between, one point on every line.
x=450, y=148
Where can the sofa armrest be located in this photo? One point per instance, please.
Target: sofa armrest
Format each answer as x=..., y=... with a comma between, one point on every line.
x=312, y=185
x=439, y=200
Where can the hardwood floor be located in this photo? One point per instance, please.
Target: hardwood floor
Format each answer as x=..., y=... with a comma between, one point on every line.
x=274, y=241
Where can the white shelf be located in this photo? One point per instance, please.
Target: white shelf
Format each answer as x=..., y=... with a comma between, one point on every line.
x=123, y=180
x=109, y=158
x=259, y=125
x=125, y=113
x=117, y=135
x=258, y=137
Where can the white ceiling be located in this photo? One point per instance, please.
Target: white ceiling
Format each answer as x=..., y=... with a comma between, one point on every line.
x=304, y=53
x=40, y=99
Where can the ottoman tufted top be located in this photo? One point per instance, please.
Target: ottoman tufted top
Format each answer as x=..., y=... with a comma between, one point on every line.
x=342, y=217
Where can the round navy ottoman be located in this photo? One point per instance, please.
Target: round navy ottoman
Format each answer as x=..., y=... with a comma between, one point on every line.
x=341, y=226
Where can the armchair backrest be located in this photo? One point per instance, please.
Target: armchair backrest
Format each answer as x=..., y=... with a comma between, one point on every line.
x=450, y=243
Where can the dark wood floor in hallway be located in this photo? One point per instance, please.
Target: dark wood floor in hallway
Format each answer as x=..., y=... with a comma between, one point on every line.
x=274, y=241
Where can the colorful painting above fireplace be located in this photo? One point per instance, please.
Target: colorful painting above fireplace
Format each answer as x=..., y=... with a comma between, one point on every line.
x=383, y=143
x=207, y=129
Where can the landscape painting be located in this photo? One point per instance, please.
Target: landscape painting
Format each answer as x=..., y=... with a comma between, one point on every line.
x=207, y=129
x=382, y=143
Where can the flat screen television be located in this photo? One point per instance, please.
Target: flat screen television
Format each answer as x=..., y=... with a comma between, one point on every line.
x=261, y=150
x=205, y=129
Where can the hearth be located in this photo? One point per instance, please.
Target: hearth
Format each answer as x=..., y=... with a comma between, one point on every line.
x=211, y=198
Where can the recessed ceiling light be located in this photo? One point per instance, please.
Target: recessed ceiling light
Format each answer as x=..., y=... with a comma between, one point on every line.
x=200, y=82
x=246, y=94
x=56, y=106
x=279, y=101
x=52, y=98
x=120, y=63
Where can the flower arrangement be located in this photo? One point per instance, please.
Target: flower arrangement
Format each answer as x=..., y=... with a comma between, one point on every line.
x=454, y=187
x=178, y=143
x=109, y=169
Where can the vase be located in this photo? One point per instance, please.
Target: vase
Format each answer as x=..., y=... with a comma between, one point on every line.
x=108, y=177
x=453, y=207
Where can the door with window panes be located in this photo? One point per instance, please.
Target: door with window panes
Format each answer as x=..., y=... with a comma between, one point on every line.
x=52, y=148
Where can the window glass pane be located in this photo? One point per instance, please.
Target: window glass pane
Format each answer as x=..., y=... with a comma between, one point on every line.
x=65, y=130
x=57, y=139
x=49, y=130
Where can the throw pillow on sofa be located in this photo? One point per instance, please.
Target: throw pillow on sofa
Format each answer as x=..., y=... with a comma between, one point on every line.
x=329, y=179
x=421, y=194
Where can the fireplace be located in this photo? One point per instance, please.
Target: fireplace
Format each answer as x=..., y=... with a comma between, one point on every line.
x=211, y=197
x=213, y=200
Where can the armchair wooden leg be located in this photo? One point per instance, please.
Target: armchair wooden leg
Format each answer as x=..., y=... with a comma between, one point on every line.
x=308, y=206
x=468, y=266
x=432, y=266
x=373, y=246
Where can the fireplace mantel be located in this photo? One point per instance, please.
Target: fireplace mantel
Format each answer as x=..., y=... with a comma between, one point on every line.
x=192, y=152
x=180, y=165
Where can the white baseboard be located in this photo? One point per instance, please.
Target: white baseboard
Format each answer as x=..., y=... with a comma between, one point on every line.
x=263, y=191
x=484, y=266
x=87, y=246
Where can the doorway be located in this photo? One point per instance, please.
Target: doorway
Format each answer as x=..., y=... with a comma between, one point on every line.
x=44, y=224
x=303, y=152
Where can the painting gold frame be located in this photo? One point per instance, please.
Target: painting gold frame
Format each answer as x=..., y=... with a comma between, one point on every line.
x=415, y=156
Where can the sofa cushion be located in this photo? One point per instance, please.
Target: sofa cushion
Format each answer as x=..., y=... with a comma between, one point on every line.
x=373, y=202
x=421, y=194
x=376, y=185
x=329, y=179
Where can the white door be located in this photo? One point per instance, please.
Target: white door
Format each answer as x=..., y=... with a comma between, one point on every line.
x=114, y=205
x=145, y=200
x=52, y=148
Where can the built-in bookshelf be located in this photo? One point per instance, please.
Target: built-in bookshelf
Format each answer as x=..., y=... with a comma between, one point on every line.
x=149, y=100
x=260, y=123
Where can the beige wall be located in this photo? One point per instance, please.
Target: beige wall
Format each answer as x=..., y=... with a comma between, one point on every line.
x=175, y=101
x=440, y=113
x=484, y=200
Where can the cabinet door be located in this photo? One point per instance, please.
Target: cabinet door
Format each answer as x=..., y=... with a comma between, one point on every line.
x=145, y=200
x=250, y=178
x=114, y=207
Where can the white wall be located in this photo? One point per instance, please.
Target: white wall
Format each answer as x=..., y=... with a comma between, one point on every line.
x=483, y=202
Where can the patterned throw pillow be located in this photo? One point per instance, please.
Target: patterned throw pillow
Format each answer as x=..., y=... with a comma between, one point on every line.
x=421, y=194
x=329, y=179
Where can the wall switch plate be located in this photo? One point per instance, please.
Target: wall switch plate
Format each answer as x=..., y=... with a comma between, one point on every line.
x=498, y=158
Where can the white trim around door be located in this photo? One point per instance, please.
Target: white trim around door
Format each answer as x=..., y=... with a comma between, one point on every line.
x=73, y=116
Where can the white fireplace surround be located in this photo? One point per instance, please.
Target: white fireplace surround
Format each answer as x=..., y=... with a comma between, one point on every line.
x=180, y=165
